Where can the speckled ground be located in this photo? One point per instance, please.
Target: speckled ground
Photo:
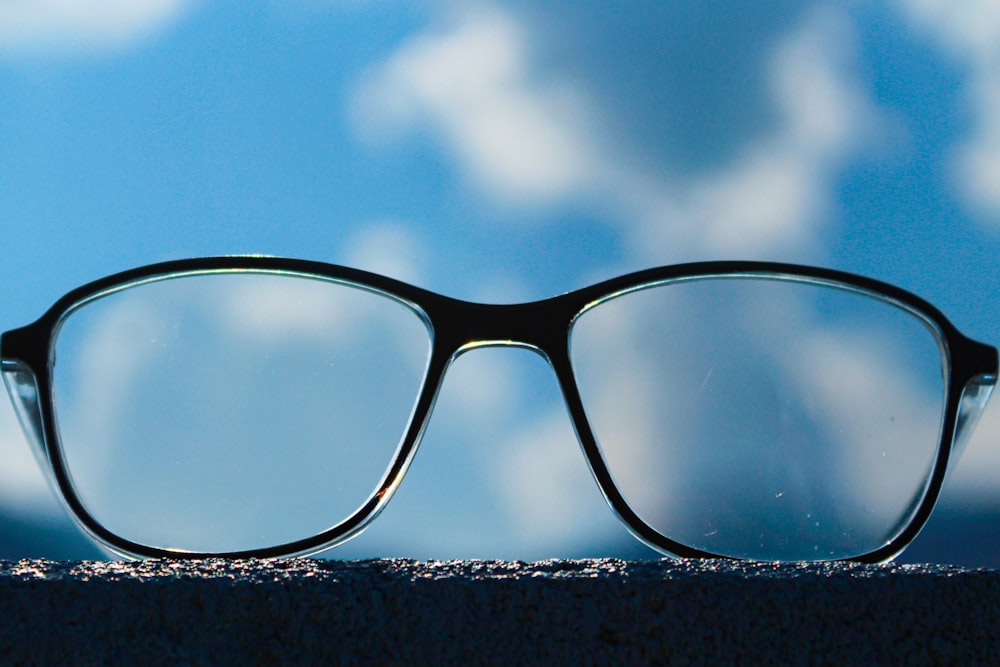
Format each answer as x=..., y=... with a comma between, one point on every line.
x=305, y=611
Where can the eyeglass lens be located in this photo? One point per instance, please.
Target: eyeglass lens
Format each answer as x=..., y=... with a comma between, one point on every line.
x=228, y=412
x=763, y=419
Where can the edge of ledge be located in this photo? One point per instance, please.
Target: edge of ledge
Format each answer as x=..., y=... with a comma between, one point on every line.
x=396, y=611
x=389, y=569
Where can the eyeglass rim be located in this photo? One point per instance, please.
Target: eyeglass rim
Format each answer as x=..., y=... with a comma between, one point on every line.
x=456, y=326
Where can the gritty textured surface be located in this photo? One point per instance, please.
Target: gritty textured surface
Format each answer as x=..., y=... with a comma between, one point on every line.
x=493, y=612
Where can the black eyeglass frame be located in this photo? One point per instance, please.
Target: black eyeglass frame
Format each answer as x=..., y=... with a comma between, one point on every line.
x=456, y=326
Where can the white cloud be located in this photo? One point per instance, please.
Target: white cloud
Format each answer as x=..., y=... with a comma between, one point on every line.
x=82, y=25
x=516, y=136
x=526, y=138
x=978, y=169
x=969, y=30
x=770, y=200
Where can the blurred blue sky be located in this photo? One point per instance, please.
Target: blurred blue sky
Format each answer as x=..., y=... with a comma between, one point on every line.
x=501, y=151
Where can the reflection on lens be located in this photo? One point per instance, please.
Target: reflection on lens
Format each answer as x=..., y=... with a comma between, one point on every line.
x=227, y=412
x=763, y=419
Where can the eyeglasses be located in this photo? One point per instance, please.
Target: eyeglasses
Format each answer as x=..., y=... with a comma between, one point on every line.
x=257, y=406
